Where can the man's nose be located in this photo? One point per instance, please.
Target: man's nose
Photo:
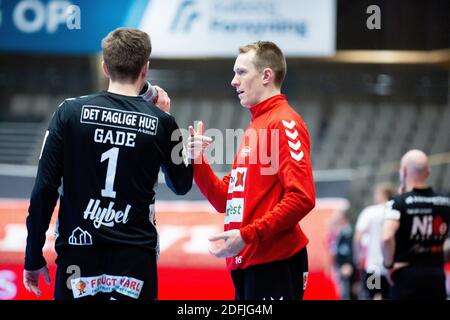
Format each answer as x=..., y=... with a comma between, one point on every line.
x=234, y=82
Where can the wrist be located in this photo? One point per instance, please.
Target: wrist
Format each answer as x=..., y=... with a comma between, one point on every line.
x=388, y=266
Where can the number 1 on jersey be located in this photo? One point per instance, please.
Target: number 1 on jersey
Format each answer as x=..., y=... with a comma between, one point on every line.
x=112, y=154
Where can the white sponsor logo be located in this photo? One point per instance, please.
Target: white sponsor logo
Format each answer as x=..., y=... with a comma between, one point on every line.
x=235, y=210
x=90, y=286
x=437, y=201
x=80, y=237
x=105, y=216
x=237, y=180
x=295, y=144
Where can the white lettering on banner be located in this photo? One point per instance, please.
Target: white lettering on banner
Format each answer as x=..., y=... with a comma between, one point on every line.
x=235, y=210
x=105, y=216
x=8, y=289
x=51, y=15
x=90, y=286
x=301, y=27
x=237, y=180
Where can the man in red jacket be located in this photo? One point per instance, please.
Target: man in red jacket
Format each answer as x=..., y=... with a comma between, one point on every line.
x=270, y=188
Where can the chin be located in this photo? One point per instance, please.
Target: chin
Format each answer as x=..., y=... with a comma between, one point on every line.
x=245, y=104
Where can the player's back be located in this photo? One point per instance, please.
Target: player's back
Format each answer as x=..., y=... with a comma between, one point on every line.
x=112, y=149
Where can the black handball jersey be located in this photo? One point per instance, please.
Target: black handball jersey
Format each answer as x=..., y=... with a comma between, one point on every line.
x=101, y=157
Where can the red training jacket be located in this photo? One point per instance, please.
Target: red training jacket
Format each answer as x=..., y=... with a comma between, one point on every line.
x=270, y=188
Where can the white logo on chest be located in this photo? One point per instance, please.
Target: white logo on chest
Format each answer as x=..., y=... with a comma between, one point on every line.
x=105, y=216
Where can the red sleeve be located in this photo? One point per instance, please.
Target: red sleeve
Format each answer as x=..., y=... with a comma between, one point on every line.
x=214, y=189
x=296, y=178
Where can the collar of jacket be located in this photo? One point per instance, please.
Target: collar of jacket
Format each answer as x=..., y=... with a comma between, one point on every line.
x=266, y=105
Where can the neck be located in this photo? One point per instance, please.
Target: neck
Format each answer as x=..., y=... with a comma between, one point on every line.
x=269, y=93
x=416, y=184
x=125, y=89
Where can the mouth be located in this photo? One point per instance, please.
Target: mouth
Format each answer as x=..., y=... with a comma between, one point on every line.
x=239, y=92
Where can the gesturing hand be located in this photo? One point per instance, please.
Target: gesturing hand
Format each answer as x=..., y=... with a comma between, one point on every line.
x=197, y=142
x=231, y=247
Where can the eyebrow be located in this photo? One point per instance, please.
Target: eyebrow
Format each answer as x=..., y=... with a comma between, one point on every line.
x=239, y=69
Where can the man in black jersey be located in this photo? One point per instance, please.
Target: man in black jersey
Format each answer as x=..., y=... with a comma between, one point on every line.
x=103, y=152
x=414, y=231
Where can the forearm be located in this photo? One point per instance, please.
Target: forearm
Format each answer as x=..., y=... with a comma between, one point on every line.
x=214, y=189
x=42, y=204
x=179, y=178
x=388, y=249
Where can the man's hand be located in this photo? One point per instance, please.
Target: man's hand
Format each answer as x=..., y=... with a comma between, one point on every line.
x=197, y=142
x=390, y=272
x=231, y=247
x=163, y=100
x=31, y=279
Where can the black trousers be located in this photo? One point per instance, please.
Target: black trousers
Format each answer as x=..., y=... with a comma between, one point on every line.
x=415, y=282
x=106, y=273
x=278, y=280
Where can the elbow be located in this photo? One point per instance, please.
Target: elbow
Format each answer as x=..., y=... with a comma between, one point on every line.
x=311, y=203
x=183, y=189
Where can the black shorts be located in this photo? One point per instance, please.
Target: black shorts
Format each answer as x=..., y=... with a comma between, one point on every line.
x=106, y=273
x=278, y=280
x=418, y=283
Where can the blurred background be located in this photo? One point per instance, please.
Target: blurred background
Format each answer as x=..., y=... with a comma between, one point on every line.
x=370, y=78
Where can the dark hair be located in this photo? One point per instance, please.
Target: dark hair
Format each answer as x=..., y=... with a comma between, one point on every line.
x=268, y=55
x=125, y=51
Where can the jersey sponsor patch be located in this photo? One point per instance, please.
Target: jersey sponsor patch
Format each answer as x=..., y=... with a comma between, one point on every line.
x=107, y=217
x=129, y=120
x=428, y=226
x=235, y=210
x=80, y=237
x=90, y=286
x=293, y=142
x=237, y=180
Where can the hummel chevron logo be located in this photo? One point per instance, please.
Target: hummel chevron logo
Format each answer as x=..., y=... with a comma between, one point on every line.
x=292, y=135
x=297, y=156
x=289, y=125
x=294, y=146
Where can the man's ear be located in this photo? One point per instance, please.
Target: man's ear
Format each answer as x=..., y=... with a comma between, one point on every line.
x=268, y=75
x=105, y=70
x=144, y=70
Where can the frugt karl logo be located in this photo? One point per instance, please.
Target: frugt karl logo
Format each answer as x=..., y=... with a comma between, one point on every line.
x=185, y=16
x=105, y=216
x=428, y=226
